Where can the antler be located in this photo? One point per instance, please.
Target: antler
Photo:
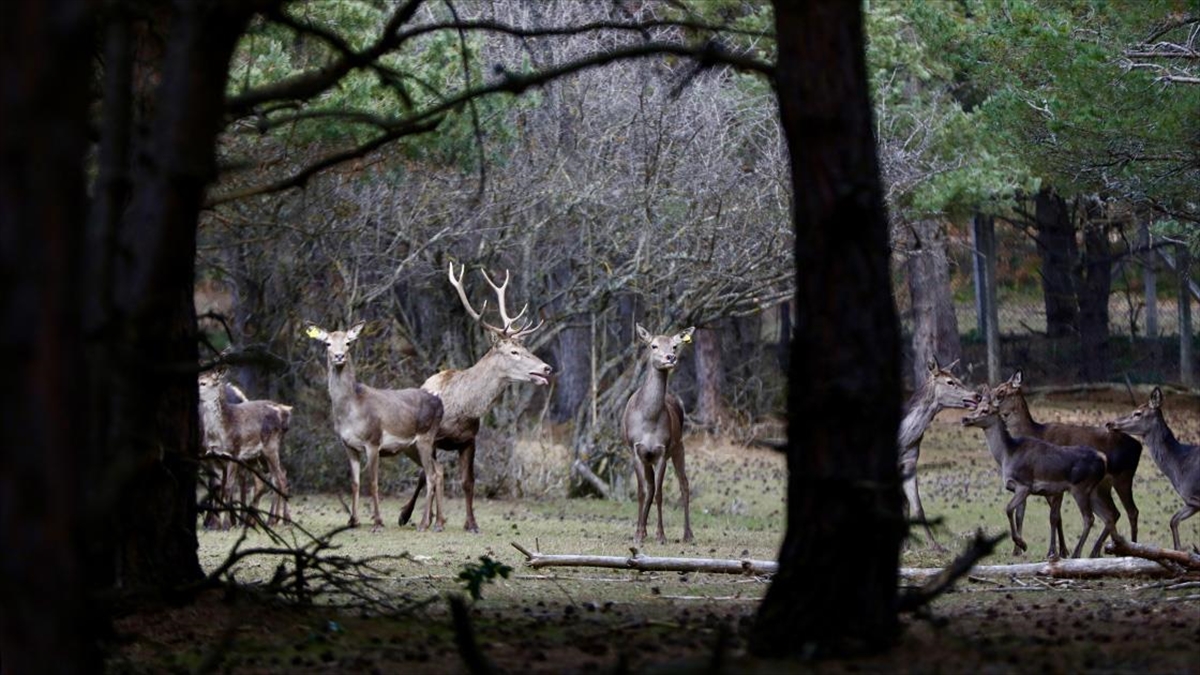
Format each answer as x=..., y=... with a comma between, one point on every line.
x=505, y=331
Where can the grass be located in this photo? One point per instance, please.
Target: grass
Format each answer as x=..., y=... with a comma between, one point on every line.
x=590, y=620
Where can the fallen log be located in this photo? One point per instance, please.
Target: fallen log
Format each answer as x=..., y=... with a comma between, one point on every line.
x=644, y=563
x=1183, y=560
x=1070, y=568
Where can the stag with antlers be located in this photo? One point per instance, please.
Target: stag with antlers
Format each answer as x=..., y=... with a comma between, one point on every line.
x=468, y=394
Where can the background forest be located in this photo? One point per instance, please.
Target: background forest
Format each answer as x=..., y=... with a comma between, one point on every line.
x=656, y=191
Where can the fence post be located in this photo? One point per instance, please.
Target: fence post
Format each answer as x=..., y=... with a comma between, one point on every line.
x=1187, y=359
x=1149, y=281
x=983, y=231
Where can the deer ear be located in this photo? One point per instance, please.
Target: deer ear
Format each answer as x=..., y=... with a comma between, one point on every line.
x=932, y=365
x=352, y=334
x=643, y=334
x=1156, y=398
x=315, y=332
x=685, y=336
x=1016, y=378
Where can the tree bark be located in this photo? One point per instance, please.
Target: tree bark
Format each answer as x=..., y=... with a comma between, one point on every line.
x=1094, y=288
x=1059, y=252
x=709, y=375
x=935, y=332
x=49, y=622
x=835, y=591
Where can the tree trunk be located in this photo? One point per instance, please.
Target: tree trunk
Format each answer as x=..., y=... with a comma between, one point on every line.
x=49, y=623
x=935, y=332
x=1059, y=252
x=709, y=375
x=836, y=589
x=1094, y=288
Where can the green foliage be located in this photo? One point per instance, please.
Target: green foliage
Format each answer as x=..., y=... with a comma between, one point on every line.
x=420, y=76
x=475, y=576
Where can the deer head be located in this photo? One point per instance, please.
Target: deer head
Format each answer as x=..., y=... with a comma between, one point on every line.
x=211, y=384
x=948, y=390
x=986, y=412
x=508, y=354
x=664, y=350
x=337, y=343
x=1143, y=419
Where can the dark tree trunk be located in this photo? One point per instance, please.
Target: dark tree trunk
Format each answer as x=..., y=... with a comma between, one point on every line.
x=709, y=375
x=48, y=623
x=572, y=354
x=935, y=331
x=835, y=591
x=1059, y=252
x=1094, y=288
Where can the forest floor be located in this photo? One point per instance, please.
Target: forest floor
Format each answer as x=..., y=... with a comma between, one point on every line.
x=589, y=620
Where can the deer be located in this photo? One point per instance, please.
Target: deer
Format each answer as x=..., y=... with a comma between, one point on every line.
x=374, y=423
x=1122, y=452
x=469, y=394
x=652, y=427
x=1179, y=462
x=244, y=434
x=1033, y=466
x=940, y=390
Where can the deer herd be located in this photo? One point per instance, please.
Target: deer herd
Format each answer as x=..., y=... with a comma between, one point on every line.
x=244, y=438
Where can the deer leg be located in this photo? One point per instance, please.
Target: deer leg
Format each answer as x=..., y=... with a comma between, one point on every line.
x=661, y=473
x=1181, y=515
x=1083, y=500
x=229, y=488
x=1123, y=484
x=917, y=512
x=643, y=472
x=1057, y=547
x=1103, y=504
x=685, y=492
x=406, y=511
x=1020, y=516
x=373, y=461
x=467, y=475
x=355, y=474
x=433, y=501
x=1020, y=492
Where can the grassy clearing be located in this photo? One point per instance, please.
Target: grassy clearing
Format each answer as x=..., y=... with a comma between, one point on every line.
x=591, y=620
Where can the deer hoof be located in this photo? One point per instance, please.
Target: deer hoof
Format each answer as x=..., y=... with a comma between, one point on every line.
x=688, y=538
x=472, y=528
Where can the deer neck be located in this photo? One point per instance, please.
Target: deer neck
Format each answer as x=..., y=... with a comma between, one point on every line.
x=922, y=408
x=1164, y=447
x=1021, y=421
x=342, y=386
x=471, y=392
x=652, y=395
x=999, y=442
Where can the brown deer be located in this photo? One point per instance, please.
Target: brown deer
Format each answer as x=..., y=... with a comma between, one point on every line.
x=468, y=394
x=1121, y=452
x=652, y=426
x=374, y=423
x=248, y=435
x=940, y=390
x=1179, y=462
x=1033, y=466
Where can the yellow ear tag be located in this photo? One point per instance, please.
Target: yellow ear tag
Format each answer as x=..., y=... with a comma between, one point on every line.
x=313, y=332
x=687, y=338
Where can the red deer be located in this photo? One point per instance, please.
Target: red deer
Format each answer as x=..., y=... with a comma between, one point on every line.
x=468, y=394
x=1121, y=452
x=940, y=390
x=1032, y=466
x=1179, y=462
x=652, y=426
x=248, y=434
x=374, y=423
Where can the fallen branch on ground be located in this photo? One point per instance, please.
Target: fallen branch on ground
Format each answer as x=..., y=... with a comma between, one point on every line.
x=644, y=563
x=1071, y=568
x=1169, y=557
